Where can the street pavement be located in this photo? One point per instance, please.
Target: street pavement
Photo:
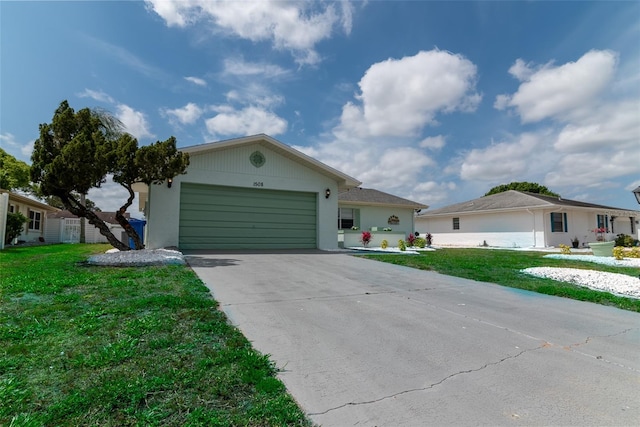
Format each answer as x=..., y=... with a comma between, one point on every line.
x=364, y=343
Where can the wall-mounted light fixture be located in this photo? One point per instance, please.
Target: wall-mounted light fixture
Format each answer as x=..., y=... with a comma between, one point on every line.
x=169, y=182
x=636, y=193
x=327, y=193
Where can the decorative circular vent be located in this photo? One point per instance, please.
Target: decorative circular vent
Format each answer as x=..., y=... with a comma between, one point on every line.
x=257, y=159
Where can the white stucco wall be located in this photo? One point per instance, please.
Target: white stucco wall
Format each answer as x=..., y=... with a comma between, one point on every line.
x=518, y=228
x=231, y=167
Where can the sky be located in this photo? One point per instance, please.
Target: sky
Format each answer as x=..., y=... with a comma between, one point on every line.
x=433, y=101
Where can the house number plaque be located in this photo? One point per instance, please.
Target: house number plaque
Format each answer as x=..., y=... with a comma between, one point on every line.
x=257, y=159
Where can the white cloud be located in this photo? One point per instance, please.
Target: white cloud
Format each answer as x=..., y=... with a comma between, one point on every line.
x=20, y=151
x=556, y=92
x=240, y=67
x=134, y=121
x=110, y=196
x=196, y=80
x=505, y=161
x=433, y=142
x=293, y=26
x=614, y=126
x=96, y=95
x=247, y=121
x=254, y=94
x=399, y=97
x=186, y=115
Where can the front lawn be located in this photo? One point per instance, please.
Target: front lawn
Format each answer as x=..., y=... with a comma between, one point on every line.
x=86, y=345
x=503, y=268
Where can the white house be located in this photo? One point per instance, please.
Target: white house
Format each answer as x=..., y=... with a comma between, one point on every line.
x=388, y=217
x=246, y=193
x=64, y=227
x=258, y=193
x=33, y=210
x=519, y=219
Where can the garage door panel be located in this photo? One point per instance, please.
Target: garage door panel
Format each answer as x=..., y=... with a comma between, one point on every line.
x=217, y=217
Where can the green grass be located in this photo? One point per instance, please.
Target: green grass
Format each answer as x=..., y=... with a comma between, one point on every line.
x=503, y=268
x=87, y=345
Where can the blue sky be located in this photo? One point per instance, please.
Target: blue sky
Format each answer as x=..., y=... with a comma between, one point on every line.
x=433, y=101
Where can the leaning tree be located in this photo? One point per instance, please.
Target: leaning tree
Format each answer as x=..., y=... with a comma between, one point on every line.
x=78, y=150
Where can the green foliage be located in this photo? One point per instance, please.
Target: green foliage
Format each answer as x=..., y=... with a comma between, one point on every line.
x=85, y=345
x=77, y=150
x=384, y=244
x=565, y=249
x=402, y=245
x=618, y=252
x=15, y=226
x=626, y=241
x=529, y=187
x=14, y=173
x=420, y=242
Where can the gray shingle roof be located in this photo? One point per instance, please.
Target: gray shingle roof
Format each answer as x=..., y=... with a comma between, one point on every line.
x=369, y=196
x=513, y=199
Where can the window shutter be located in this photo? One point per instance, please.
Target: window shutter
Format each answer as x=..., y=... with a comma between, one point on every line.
x=565, y=222
x=551, y=217
x=356, y=217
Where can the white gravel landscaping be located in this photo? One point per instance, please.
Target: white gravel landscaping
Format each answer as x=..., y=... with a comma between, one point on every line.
x=142, y=257
x=619, y=284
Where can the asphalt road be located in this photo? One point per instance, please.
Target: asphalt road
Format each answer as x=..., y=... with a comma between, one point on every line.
x=366, y=343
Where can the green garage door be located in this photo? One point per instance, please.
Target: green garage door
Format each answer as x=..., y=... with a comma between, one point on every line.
x=217, y=217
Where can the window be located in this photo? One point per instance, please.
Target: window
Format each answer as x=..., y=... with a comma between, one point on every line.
x=346, y=218
x=34, y=220
x=558, y=222
x=12, y=208
x=456, y=223
x=633, y=225
x=603, y=222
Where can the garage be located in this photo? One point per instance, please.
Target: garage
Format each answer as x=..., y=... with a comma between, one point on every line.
x=225, y=217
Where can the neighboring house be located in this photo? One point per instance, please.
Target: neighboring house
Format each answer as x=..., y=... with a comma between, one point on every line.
x=35, y=211
x=64, y=227
x=246, y=193
x=373, y=210
x=519, y=219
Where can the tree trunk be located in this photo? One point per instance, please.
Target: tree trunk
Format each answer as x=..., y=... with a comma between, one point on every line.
x=81, y=211
x=83, y=225
x=122, y=220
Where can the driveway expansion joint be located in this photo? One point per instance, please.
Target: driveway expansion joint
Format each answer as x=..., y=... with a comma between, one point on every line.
x=431, y=386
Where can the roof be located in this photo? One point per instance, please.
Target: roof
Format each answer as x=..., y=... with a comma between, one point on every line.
x=517, y=200
x=109, y=217
x=29, y=201
x=371, y=197
x=344, y=181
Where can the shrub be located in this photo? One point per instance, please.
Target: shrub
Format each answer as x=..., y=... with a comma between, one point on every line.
x=401, y=245
x=635, y=252
x=366, y=238
x=625, y=240
x=411, y=239
x=384, y=244
x=565, y=249
x=15, y=226
x=618, y=252
x=420, y=242
x=429, y=239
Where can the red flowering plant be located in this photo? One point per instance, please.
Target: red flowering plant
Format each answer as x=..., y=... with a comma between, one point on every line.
x=411, y=239
x=600, y=232
x=366, y=238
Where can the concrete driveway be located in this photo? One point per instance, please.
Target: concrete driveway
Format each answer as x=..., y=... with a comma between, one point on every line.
x=364, y=343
